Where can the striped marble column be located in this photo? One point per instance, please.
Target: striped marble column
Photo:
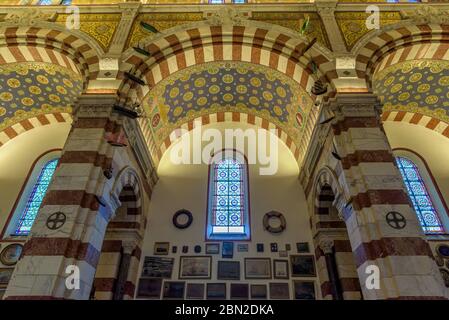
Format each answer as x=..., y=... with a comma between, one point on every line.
x=80, y=191
x=374, y=184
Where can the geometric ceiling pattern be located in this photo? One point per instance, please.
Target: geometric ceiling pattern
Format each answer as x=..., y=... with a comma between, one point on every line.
x=419, y=86
x=29, y=89
x=227, y=86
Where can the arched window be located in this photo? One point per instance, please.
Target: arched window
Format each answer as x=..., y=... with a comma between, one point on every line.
x=419, y=195
x=45, y=2
x=228, y=204
x=34, y=201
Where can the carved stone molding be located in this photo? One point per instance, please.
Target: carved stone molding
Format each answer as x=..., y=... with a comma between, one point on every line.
x=427, y=14
x=326, y=245
x=227, y=16
x=29, y=16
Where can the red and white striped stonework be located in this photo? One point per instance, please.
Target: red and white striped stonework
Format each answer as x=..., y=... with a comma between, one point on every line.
x=401, y=42
x=403, y=256
x=263, y=45
x=326, y=224
x=74, y=50
x=80, y=190
x=418, y=119
x=28, y=124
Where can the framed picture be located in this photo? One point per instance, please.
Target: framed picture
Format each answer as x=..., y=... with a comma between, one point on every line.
x=258, y=291
x=242, y=247
x=195, y=291
x=161, y=248
x=5, y=275
x=195, y=267
x=302, y=247
x=227, y=250
x=157, y=267
x=260, y=247
x=185, y=249
x=279, y=291
x=274, y=247
x=197, y=249
x=257, y=268
x=283, y=253
x=228, y=270
x=239, y=291
x=212, y=248
x=173, y=290
x=303, y=290
x=174, y=249
x=149, y=288
x=280, y=269
x=302, y=266
x=288, y=247
x=216, y=291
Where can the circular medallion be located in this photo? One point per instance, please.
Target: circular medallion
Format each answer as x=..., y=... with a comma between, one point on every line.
x=274, y=222
x=182, y=219
x=56, y=220
x=396, y=220
x=11, y=254
x=443, y=250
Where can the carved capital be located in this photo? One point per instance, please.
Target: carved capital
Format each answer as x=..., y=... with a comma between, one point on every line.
x=326, y=245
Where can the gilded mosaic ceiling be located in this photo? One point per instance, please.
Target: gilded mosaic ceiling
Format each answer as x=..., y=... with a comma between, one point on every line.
x=227, y=86
x=420, y=86
x=29, y=89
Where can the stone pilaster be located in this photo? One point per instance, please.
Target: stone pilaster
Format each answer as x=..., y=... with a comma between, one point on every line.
x=373, y=182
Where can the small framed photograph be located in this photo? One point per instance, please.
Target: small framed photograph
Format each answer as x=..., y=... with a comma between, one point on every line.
x=157, y=267
x=239, y=291
x=280, y=269
x=283, y=254
x=279, y=291
x=302, y=247
x=302, y=266
x=227, y=250
x=257, y=268
x=274, y=247
x=288, y=247
x=304, y=290
x=216, y=291
x=228, y=270
x=212, y=248
x=260, y=247
x=149, y=288
x=195, y=267
x=174, y=249
x=258, y=291
x=174, y=290
x=242, y=247
x=185, y=249
x=5, y=275
x=161, y=248
x=195, y=291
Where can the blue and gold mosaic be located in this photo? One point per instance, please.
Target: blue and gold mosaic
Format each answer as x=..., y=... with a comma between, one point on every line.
x=31, y=88
x=227, y=86
x=420, y=86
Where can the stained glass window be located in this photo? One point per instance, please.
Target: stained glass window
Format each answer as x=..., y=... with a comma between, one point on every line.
x=66, y=2
x=34, y=201
x=427, y=215
x=45, y=2
x=216, y=1
x=228, y=214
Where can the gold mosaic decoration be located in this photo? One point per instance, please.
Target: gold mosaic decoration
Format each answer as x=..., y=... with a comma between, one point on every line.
x=293, y=21
x=161, y=21
x=419, y=86
x=353, y=24
x=100, y=27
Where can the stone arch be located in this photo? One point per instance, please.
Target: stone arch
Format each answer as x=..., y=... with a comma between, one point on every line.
x=327, y=178
x=276, y=47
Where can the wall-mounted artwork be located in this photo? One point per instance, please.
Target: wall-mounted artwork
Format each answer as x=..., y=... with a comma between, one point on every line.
x=216, y=291
x=257, y=268
x=302, y=266
x=5, y=275
x=242, y=247
x=274, y=247
x=227, y=250
x=195, y=267
x=197, y=249
x=258, y=291
x=260, y=247
x=195, y=291
x=173, y=290
x=279, y=291
x=239, y=291
x=228, y=270
x=174, y=249
x=283, y=253
x=304, y=290
x=149, y=288
x=185, y=249
x=212, y=248
x=302, y=247
x=157, y=267
x=280, y=269
x=161, y=248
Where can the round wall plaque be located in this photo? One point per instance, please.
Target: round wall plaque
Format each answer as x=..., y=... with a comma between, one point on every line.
x=270, y=224
x=56, y=220
x=443, y=250
x=396, y=220
x=11, y=254
x=182, y=219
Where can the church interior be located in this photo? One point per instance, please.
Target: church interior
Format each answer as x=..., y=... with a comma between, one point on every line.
x=119, y=181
